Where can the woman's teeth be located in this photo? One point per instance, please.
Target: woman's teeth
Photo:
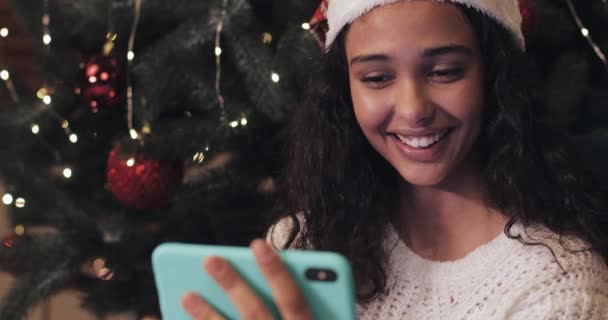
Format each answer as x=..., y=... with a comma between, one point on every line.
x=422, y=142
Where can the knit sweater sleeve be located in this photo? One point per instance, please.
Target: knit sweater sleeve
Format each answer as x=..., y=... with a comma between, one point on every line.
x=278, y=234
x=580, y=293
x=572, y=304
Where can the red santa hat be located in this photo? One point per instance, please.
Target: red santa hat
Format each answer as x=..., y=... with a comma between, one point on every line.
x=339, y=13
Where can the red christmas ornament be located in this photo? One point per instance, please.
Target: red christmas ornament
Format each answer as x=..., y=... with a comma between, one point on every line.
x=103, y=82
x=14, y=261
x=13, y=241
x=141, y=182
x=529, y=15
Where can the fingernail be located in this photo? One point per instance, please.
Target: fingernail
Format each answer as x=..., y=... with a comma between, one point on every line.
x=262, y=251
x=189, y=301
x=215, y=266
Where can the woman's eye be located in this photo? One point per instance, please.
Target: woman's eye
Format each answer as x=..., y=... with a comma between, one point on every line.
x=447, y=75
x=377, y=80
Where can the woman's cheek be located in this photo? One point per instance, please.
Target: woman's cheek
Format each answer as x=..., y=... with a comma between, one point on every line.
x=371, y=109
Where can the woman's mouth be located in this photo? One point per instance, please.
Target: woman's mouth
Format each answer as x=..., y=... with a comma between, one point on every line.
x=422, y=148
x=424, y=141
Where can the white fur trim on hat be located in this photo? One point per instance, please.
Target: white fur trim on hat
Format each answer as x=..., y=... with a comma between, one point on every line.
x=343, y=12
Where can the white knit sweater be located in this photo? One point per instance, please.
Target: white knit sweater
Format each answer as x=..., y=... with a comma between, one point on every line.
x=503, y=279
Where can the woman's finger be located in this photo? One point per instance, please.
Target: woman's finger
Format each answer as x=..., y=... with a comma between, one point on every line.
x=287, y=294
x=247, y=302
x=198, y=308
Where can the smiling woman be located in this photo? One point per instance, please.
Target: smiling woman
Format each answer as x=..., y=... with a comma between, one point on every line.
x=419, y=78
x=423, y=155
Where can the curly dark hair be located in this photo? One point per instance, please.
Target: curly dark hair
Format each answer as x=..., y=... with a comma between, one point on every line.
x=346, y=192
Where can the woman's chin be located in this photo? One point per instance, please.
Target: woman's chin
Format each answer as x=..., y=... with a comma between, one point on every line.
x=423, y=178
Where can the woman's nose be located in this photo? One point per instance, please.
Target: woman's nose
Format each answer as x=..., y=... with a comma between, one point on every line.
x=413, y=105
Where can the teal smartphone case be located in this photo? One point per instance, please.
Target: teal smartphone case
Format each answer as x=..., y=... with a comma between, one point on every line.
x=178, y=269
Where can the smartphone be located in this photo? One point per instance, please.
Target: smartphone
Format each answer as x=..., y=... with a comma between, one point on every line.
x=325, y=279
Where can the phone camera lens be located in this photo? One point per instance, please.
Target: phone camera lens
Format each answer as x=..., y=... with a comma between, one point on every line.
x=320, y=274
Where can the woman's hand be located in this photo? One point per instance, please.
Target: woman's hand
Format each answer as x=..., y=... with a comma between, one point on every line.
x=287, y=294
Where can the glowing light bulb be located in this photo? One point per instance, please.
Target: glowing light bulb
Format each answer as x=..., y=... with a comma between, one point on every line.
x=130, y=162
x=266, y=38
x=305, y=26
x=275, y=77
x=41, y=93
x=19, y=230
x=47, y=99
x=4, y=75
x=67, y=173
x=234, y=124
x=218, y=51
x=130, y=55
x=73, y=138
x=35, y=128
x=47, y=39
x=99, y=263
x=7, y=198
x=244, y=121
x=20, y=203
x=133, y=134
x=585, y=32
x=198, y=157
x=4, y=32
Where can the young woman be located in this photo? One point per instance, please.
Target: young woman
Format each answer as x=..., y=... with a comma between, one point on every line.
x=424, y=157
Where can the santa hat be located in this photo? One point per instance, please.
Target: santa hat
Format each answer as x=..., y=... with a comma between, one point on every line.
x=339, y=13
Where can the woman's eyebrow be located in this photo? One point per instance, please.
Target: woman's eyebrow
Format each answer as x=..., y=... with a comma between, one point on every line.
x=369, y=57
x=426, y=53
x=437, y=51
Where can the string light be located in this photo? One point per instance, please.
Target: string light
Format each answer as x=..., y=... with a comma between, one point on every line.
x=99, y=263
x=133, y=134
x=4, y=32
x=46, y=20
x=305, y=26
x=35, y=129
x=218, y=51
x=266, y=38
x=146, y=129
x=586, y=34
x=198, y=157
x=234, y=124
x=20, y=203
x=275, y=77
x=7, y=199
x=73, y=138
x=46, y=39
x=130, y=57
x=131, y=162
x=244, y=121
x=19, y=230
x=4, y=75
x=67, y=173
x=47, y=99
x=42, y=92
x=218, y=60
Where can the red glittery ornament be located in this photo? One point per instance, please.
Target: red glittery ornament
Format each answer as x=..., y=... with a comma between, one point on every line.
x=13, y=259
x=140, y=182
x=12, y=241
x=103, y=82
x=529, y=15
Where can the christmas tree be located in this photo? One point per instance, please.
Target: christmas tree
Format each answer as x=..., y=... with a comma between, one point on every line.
x=151, y=121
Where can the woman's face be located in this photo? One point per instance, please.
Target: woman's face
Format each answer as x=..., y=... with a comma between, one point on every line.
x=415, y=76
